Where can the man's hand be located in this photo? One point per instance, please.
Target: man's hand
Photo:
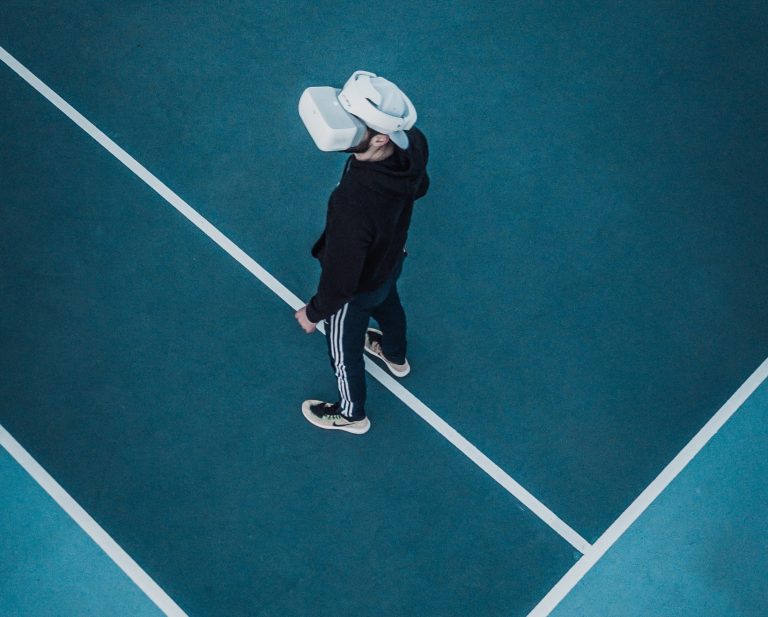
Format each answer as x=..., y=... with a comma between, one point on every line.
x=301, y=317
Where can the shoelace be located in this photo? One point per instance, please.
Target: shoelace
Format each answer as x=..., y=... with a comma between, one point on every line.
x=334, y=416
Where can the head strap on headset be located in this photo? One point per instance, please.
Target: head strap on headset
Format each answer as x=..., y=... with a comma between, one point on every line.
x=361, y=98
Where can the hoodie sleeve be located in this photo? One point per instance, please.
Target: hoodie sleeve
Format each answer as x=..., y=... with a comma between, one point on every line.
x=423, y=186
x=346, y=246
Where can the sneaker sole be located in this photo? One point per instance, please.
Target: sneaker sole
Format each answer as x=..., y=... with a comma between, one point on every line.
x=396, y=373
x=358, y=428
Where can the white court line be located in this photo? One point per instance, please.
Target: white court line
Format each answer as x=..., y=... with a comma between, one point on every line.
x=89, y=526
x=630, y=515
x=477, y=457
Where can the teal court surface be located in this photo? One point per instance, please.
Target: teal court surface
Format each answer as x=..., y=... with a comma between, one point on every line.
x=584, y=428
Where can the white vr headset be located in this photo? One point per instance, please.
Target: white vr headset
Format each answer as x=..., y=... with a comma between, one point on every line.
x=337, y=119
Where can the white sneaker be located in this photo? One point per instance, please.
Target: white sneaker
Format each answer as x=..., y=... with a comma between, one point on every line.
x=328, y=415
x=373, y=347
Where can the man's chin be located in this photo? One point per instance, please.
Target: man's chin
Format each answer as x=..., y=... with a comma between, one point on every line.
x=359, y=148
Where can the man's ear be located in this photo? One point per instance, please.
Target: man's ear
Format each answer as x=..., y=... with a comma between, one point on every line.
x=380, y=140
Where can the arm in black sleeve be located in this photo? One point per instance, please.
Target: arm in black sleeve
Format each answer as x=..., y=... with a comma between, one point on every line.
x=346, y=246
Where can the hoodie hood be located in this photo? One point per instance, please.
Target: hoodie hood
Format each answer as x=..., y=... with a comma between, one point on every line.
x=401, y=174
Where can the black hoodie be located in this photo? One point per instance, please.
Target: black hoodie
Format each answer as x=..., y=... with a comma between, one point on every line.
x=367, y=225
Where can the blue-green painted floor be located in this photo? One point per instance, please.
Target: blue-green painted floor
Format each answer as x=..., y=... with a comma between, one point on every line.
x=48, y=565
x=587, y=284
x=701, y=548
x=698, y=550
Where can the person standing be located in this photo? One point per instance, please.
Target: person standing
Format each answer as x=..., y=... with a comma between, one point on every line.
x=362, y=248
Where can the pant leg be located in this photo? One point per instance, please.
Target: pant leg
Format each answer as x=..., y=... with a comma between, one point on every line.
x=391, y=318
x=346, y=340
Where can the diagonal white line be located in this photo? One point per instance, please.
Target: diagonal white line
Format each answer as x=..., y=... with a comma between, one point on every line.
x=469, y=450
x=91, y=527
x=649, y=495
x=477, y=457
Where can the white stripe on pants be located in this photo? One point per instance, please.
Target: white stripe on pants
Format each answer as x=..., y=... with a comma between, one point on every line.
x=337, y=351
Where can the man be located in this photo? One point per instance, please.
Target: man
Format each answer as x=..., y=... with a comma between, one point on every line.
x=362, y=248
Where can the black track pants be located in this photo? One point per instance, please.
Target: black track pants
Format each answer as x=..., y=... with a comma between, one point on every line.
x=346, y=340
